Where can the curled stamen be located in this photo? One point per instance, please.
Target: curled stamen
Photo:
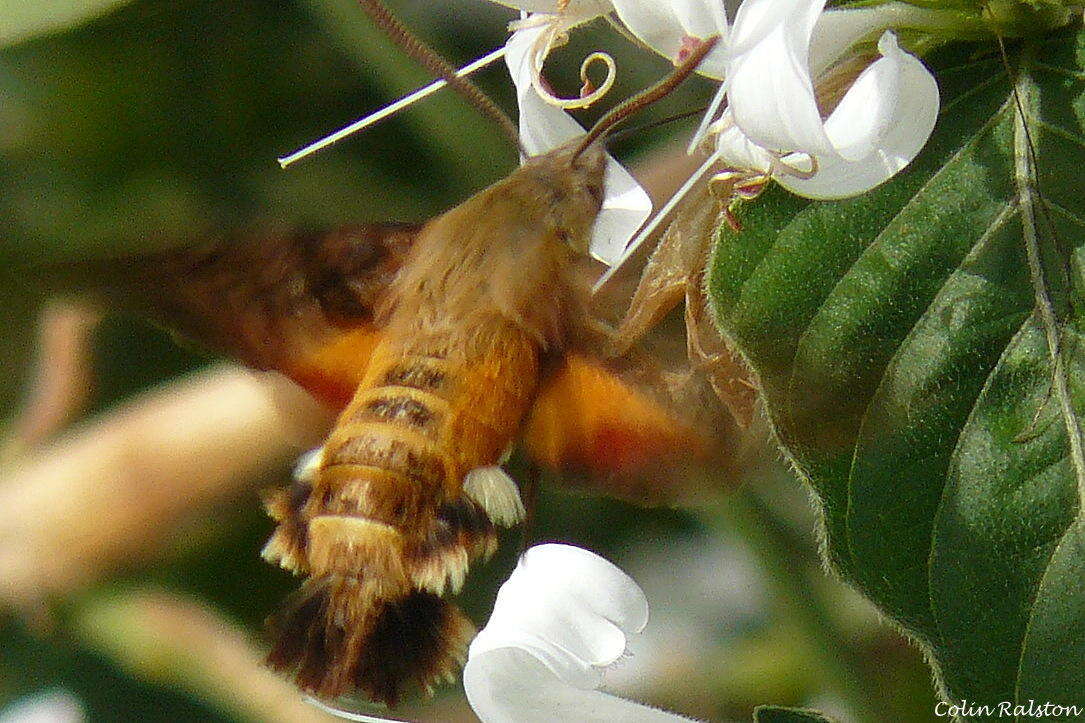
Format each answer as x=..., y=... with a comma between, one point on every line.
x=746, y=178
x=729, y=184
x=593, y=94
x=555, y=36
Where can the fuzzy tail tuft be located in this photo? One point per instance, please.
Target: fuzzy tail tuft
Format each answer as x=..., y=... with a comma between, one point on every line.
x=337, y=639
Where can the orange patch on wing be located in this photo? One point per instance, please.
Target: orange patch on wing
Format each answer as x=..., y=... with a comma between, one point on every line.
x=586, y=417
x=333, y=371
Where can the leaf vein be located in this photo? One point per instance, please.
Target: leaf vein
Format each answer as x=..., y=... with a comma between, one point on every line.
x=1063, y=211
x=1058, y=70
x=1032, y=605
x=955, y=455
x=1029, y=197
x=1060, y=131
x=973, y=90
x=969, y=65
x=1028, y=193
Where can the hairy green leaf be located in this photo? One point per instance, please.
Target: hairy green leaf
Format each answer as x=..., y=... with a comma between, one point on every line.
x=921, y=360
x=782, y=714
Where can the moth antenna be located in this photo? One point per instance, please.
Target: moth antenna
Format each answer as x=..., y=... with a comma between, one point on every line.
x=649, y=95
x=432, y=61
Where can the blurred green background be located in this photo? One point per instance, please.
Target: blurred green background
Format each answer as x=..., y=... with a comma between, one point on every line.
x=159, y=122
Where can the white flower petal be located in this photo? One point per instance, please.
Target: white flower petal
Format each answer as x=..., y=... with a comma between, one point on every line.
x=838, y=30
x=753, y=21
x=700, y=18
x=664, y=26
x=858, y=123
x=654, y=24
x=584, y=8
x=626, y=206
x=561, y=617
x=771, y=93
x=912, y=121
x=509, y=685
x=704, y=19
x=737, y=151
x=574, y=628
x=544, y=127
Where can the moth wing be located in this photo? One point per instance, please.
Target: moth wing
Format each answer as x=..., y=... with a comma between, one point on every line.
x=631, y=418
x=675, y=272
x=304, y=304
x=597, y=427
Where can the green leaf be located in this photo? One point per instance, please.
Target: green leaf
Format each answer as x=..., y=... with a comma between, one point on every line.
x=781, y=714
x=921, y=359
x=20, y=20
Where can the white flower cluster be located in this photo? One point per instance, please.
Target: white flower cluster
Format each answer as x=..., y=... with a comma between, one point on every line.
x=764, y=121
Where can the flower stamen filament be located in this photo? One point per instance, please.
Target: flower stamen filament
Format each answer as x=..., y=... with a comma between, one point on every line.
x=389, y=110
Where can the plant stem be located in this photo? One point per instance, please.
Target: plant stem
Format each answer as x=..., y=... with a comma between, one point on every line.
x=781, y=555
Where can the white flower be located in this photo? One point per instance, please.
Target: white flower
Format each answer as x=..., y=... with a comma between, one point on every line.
x=772, y=124
x=668, y=27
x=544, y=126
x=769, y=60
x=665, y=27
x=559, y=621
x=586, y=9
x=553, y=19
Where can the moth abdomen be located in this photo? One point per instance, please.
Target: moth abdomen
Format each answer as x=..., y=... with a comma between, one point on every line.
x=406, y=495
x=368, y=653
